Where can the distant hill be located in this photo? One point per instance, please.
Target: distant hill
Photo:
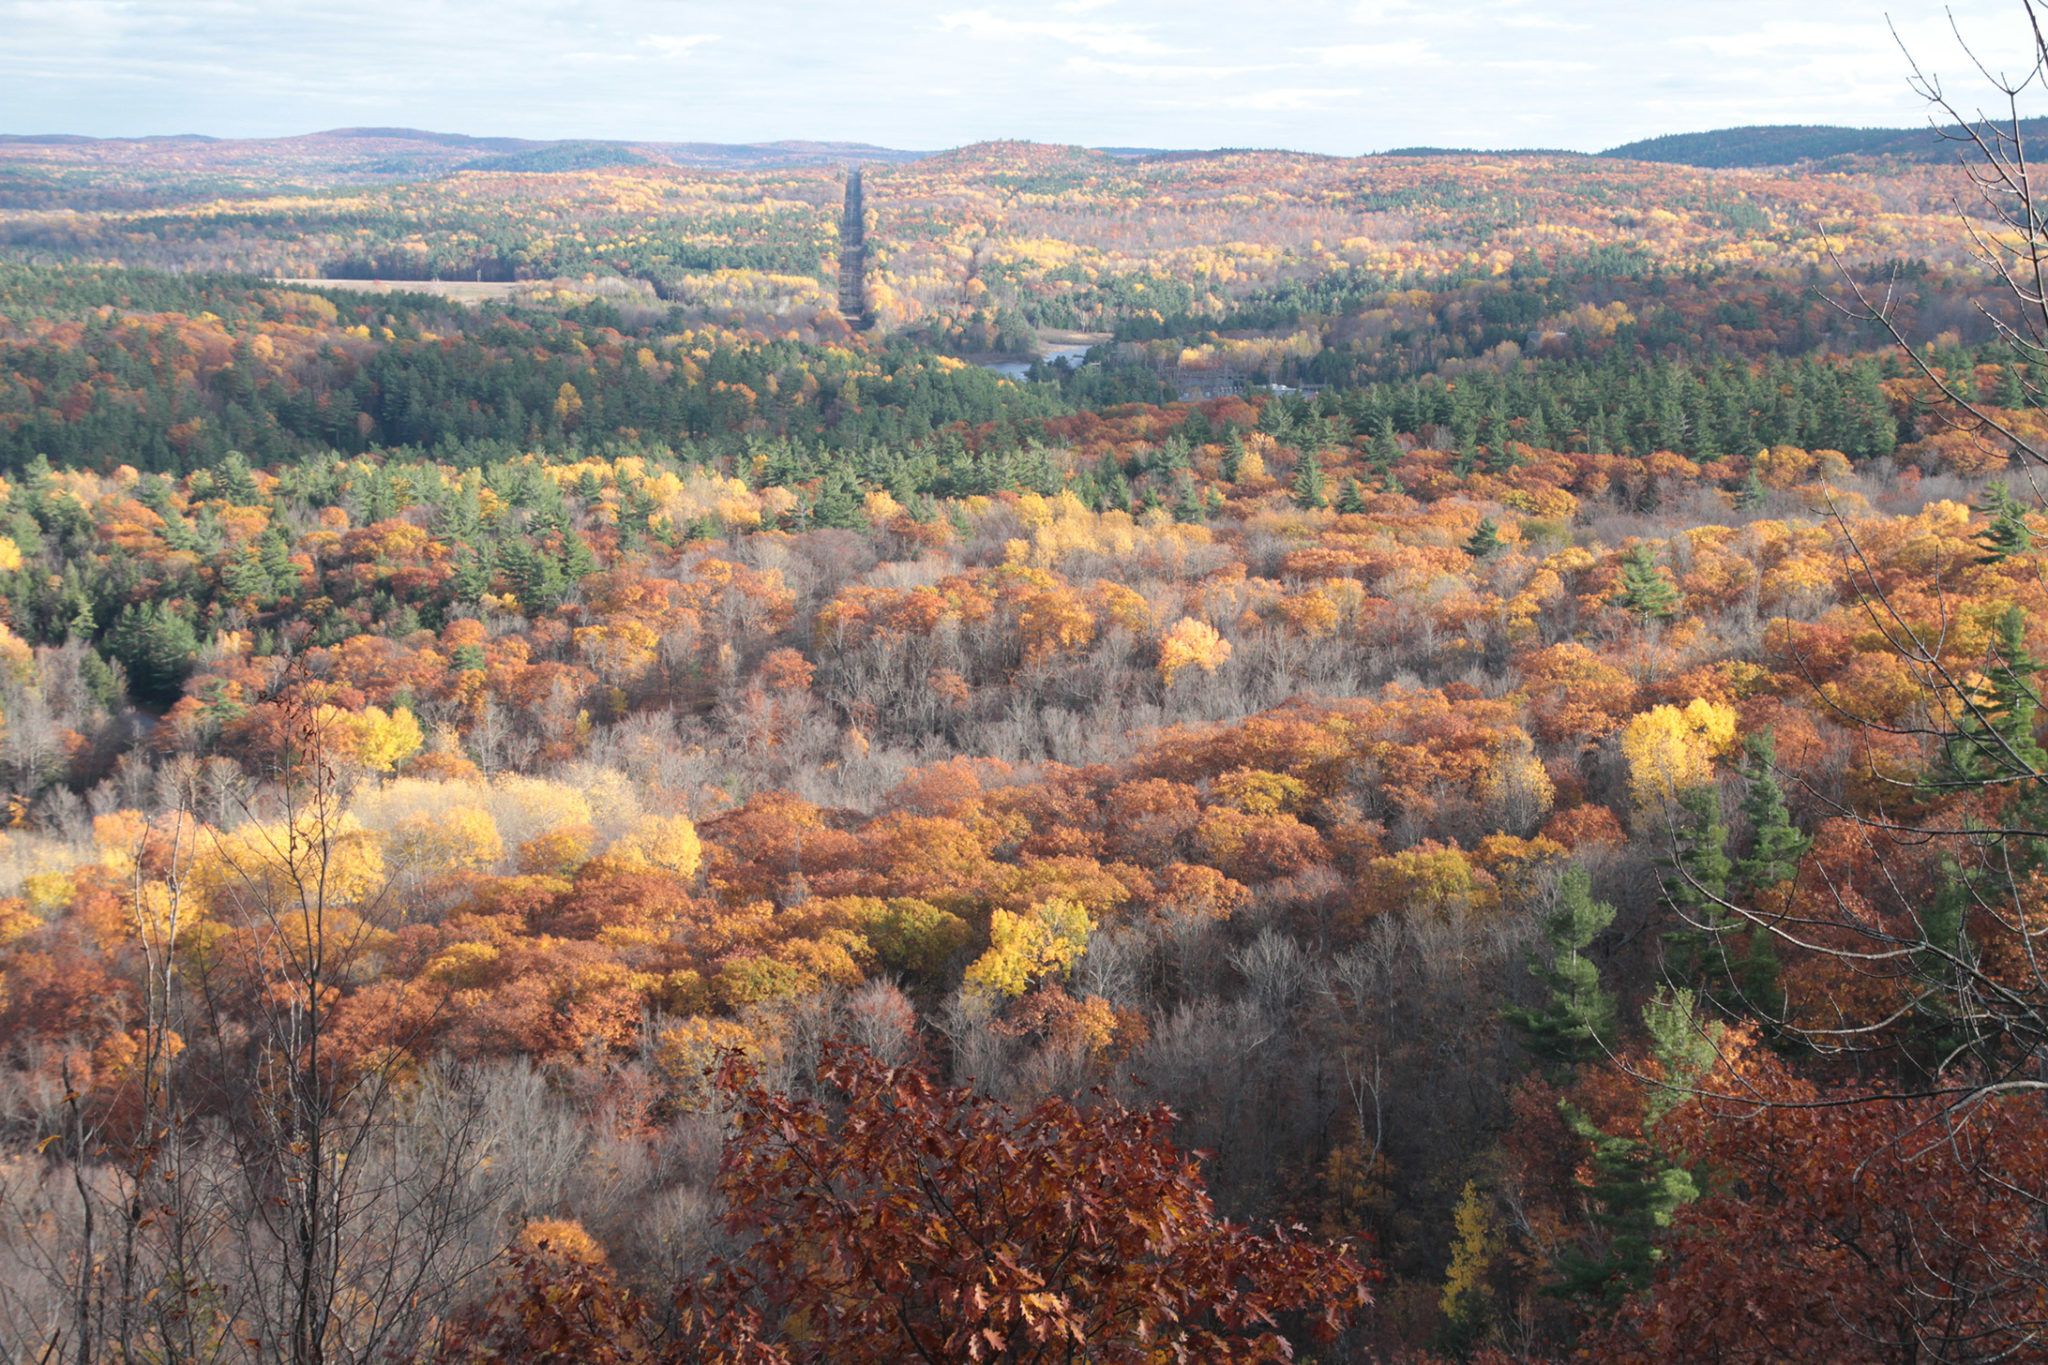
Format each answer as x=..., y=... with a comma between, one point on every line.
x=44, y=170
x=1787, y=144
x=560, y=156
x=1477, y=151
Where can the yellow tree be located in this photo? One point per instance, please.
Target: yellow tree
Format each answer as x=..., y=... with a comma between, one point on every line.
x=666, y=842
x=1671, y=749
x=1191, y=643
x=1025, y=949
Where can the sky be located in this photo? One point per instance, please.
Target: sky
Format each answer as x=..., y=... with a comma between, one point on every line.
x=1345, y=78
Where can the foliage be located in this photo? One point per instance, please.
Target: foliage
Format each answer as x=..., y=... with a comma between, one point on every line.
x=929, y=1222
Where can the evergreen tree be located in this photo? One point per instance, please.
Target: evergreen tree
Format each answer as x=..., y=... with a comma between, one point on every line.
x=2012, y=387
x=1307, y=489
x=536, y=576
x=1637, y=1185
x=459, y=519
x=1484, y=540
x=1116, y=494
x=578, y=562
x=1577, y=1023
x=2008, y=534
x=101, y=680
x=839, y=502
x=1962, y=378
x=1233, y=457
x=474, y=570
x=1385, y=451
x=637, y=509
x=1351, y=498
x=1696, y=890
x=236, y=483
x=156, y=647
x=245, y=579
x=1775, y=844
x=1644, y=591
x=275, y=553
x=83, y=624
x=1995, y=740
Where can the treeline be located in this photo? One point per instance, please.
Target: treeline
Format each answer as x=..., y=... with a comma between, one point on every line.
x=1783, y=145
x=291, y=376
x=168, y=373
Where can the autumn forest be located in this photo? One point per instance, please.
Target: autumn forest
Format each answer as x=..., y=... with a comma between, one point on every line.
x=1239, y=756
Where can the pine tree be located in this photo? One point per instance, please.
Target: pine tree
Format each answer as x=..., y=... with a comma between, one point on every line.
x=536, y=576
x=156, y=646
x=1351, y=498
x=1695, y=890
x=236, y=483
x=100, y=679
x=1307, y=489
x=245, y=578
x=275, y=552
x=458, y=520
x=1485, y=540
x=380, y=499
x=2012, y=387
x=474, y=570
x=1233, y=457
x=838, y=502
x=2008, y=534
x=1385, y=451
x=1637, y=1185
x=1577, y=1023
x=1962, y=378
x=1644, y=591
x=1995, y=739
x=578, y=562
x=1775, y=845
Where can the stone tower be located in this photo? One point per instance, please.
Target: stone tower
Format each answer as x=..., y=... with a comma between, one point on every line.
x=853, y=257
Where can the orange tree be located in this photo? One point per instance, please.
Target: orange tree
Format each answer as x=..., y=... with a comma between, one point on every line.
x=906, y=1221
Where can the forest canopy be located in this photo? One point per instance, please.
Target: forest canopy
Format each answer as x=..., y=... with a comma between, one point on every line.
x=530, y=743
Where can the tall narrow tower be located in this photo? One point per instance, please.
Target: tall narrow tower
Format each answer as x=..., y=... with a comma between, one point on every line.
x=853, y=257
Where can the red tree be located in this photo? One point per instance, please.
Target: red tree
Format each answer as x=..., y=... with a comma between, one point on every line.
x=915, y=1222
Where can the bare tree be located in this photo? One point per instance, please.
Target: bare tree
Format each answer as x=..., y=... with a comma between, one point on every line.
x=356, y=1193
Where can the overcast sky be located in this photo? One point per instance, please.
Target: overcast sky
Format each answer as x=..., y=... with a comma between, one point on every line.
x=1328, y=77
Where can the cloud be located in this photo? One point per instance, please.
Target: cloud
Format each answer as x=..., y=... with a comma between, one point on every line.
x=1116, y=40
x=1197, y=80
x=1408, y=53
x=1293, y=99
x=677, y=45
x=930, y=73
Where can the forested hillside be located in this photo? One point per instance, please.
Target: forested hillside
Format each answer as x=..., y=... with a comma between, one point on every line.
x=545, y=828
